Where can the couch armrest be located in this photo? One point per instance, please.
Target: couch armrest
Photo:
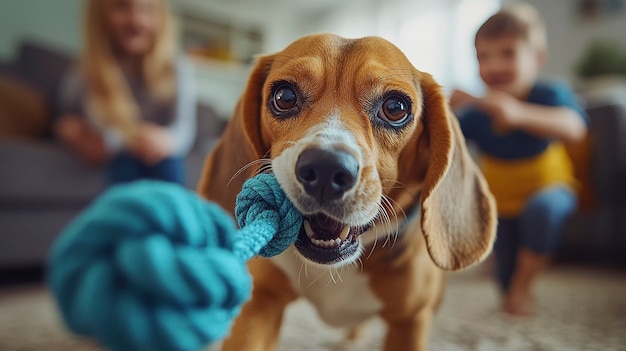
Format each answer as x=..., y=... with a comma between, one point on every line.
x=608, y=127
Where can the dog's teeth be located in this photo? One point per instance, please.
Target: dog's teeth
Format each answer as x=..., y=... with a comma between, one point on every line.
x=307, y=229
x=326, y=243
x=344, y=233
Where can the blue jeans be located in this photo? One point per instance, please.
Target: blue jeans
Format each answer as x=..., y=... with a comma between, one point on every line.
x=126, y=168
x=538, y=228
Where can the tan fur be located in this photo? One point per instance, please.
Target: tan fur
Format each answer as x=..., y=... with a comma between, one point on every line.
x=426, y=163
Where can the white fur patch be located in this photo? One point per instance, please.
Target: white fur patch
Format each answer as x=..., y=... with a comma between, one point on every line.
x=329, y=135
x=341, y=296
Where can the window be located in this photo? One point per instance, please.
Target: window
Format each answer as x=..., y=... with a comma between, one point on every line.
x=438, y=38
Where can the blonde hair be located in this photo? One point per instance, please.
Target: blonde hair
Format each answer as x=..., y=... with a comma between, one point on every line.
x=519, y=20
x=109, y=95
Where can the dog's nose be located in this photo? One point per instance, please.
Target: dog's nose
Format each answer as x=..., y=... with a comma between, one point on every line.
x=326, y=175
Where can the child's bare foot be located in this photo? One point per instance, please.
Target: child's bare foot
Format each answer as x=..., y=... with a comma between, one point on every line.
x=519, y=303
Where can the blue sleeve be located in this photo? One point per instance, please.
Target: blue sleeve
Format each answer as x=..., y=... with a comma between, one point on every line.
x=562, y=95
x=468, y=121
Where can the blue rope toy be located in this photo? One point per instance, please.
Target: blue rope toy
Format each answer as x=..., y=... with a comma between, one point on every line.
x=151, y=266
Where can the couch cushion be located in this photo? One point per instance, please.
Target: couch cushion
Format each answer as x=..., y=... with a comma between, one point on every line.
x=40, y=174
x=23, y=109
x=43, y=66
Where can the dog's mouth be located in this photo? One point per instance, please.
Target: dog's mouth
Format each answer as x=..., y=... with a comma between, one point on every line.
x=325, y=240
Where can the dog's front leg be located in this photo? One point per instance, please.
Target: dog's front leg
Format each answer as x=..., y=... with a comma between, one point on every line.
x=410, y=334
x=258, y=326
x=410, y=286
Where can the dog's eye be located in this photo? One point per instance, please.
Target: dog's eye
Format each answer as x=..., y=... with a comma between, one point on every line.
x=284, y=99
x=394, y=110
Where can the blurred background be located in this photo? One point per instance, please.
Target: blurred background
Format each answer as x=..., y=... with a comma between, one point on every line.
x=437, y=36
x=40, y=40
x=42, y=186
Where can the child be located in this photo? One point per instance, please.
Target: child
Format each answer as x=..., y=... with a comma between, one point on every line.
x=131, y=103
x=520, y=126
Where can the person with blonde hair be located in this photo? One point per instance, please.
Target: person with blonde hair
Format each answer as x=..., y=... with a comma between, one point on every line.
x=131, y=100
x=521, y=126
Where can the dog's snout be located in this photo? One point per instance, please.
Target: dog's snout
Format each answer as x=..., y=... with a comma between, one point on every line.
x=326, y=175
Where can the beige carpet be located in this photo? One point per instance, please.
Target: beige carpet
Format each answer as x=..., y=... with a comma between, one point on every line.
x=581, y=309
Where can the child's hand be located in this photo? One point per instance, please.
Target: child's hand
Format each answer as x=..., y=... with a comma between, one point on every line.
x=88, y=143
x=503, y=109
x=152, y=144
x=459, y=98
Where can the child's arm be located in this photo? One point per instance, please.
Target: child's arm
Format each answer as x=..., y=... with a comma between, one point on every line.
x=460, y=98
x=554, y=122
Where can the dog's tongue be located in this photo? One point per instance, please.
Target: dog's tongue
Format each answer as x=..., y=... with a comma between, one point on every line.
x=325, y=228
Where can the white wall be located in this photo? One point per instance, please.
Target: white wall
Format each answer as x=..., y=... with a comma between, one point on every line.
x=569, y=35
x=436, y=36
x=59, y=22
x=55, y=22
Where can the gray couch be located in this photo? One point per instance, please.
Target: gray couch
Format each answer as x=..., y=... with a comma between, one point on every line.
x=42, y=185
x=599, y=234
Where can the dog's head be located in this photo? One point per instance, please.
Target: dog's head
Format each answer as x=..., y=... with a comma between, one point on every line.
x=350, y=126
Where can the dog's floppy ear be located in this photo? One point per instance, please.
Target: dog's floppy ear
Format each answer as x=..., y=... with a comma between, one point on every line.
x=240, y=143
x=458, y=211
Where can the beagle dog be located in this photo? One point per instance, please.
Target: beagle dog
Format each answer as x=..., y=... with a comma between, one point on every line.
x=365, y=146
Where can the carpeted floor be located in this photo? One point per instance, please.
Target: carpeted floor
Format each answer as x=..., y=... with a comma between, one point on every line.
x=581, y=309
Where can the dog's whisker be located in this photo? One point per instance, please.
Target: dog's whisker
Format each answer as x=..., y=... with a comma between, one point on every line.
x=300, y=272
x=373, y=246
x=264, y=169
x=389, y=184
x=359, y=264
x=393, y=202
x=388, y=204
x=390, y=208
x=376, y=234
x=375, y=242
x=396, y=232
x=339, y=275
x=385, y=218
x=332, y=278
x=386, y=241
x=262, y=161
x=322, y=274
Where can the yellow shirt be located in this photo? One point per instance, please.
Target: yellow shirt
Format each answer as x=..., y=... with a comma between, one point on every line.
x=513, y=182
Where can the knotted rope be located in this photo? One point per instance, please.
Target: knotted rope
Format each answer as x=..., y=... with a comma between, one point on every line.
x=151, y=266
